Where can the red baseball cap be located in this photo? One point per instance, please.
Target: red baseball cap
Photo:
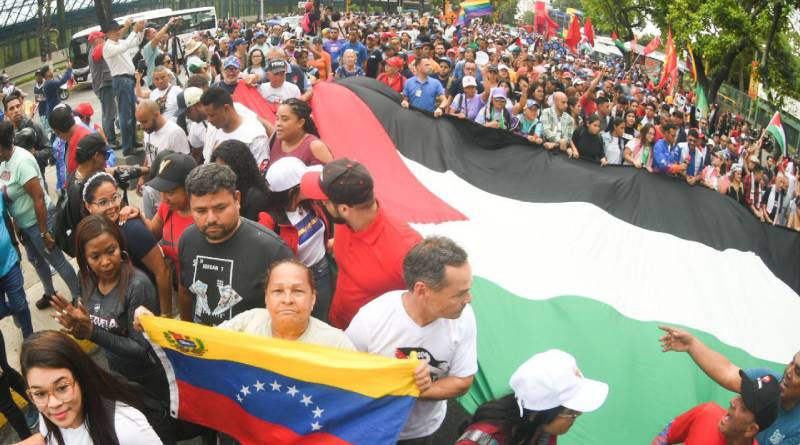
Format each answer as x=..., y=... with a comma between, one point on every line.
x=395, y=61
x=84, y=109
x=96, y=35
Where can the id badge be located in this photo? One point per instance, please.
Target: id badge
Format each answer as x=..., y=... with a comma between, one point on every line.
x=419, y=93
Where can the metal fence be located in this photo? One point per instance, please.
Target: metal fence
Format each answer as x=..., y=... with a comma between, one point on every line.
x=759, y=112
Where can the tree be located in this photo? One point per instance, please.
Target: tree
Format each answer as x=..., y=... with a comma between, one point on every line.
x=564, y=4
x=103, y=10
x=722, y=32
x=621, y=16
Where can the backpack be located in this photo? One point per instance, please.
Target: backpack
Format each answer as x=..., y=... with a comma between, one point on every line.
x=65, y=221
x=305, y=23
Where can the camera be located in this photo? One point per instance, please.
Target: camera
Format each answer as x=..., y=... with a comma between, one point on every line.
x=124, y=175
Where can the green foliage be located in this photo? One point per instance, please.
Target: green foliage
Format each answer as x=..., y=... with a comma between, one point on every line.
x=505, y=10
x=528, y=17
x=564, y=4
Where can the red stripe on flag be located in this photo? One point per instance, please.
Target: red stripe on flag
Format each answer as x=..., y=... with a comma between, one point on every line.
x=218, y=412
x=349, y=128
x=249, y=96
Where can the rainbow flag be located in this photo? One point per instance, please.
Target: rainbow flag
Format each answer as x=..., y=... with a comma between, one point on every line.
x=476, y=8
x=264, y=390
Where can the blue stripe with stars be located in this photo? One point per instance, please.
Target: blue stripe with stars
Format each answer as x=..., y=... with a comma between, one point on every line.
x=301, y=406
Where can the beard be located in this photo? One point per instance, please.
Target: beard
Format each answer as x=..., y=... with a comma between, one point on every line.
x=219, y=234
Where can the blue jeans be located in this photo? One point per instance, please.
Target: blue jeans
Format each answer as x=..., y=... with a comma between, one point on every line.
x=324, y=283
x=109, y=111
x=126, y=106
x=13, y=300
x=40, y=257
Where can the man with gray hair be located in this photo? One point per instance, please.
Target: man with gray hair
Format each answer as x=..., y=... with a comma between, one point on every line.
x=223, y=258
x=431, y=319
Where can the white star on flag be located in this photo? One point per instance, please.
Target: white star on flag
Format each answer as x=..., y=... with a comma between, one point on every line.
x=275, y=386
x=239, y=398
x=246, y=390
x=292, y=390
x=306, y=400
x=316, y=426
x=259, y=386
x=318, y=412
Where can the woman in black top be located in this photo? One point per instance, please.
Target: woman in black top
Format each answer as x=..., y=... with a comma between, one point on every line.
x=587, y=143
x=101, y=196
x=111, y=290
x=250, y=183
x=630, y=123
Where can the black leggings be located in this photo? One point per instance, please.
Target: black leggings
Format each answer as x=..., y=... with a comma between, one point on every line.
x=12, y=379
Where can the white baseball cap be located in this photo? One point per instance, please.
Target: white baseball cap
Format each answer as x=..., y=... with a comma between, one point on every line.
x=285, y=173
x=469, y=81
x=551, y=379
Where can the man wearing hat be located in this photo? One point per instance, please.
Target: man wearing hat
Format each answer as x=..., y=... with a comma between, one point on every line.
x=101, y=85
x=369, y=244
x=322, y=60
x=468, y=103
x=754, y=385
x=193, y=120
x=391, y=75
x=231, y=68
x=115, y=53
x=375, y=57
x=222, y=255
x=260, y=42
x=710, y=424
x=277, y=89
x=432, y=319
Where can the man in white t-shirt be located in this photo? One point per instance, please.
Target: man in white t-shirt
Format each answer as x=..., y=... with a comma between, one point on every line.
x=160, y=134
x=229, y=124
x=165, y=92
x=432, y=319
x=278, y=89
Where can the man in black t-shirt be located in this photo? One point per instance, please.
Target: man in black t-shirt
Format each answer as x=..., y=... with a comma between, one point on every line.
x=223, y=258
x=375, y=56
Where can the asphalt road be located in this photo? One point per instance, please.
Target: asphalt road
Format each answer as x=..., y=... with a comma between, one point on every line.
x=42, y=319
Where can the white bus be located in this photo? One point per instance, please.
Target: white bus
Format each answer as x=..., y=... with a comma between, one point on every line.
x=194, y=20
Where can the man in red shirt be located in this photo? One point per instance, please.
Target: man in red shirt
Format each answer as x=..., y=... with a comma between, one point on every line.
x=710, y=424
x=369, y=245
x=62, y=122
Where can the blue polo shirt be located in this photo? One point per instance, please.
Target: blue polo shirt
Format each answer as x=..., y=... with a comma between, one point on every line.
x=785, y=430
x=423, y=95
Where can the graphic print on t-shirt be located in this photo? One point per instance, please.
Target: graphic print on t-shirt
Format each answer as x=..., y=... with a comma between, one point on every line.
x=439, y=369
x=211, y=283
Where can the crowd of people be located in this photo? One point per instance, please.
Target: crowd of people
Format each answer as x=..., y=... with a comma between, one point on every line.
x=256, y=226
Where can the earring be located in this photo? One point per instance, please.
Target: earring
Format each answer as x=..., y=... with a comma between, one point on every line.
x=124, y=255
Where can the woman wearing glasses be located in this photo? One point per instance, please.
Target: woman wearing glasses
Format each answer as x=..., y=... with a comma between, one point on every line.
x=112, y=288
x=79, y=402
x=549, y=393
x=101, y=196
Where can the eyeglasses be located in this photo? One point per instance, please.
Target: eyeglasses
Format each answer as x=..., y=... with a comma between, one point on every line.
x=569, y=414
x=64, y=392
x=103, y=203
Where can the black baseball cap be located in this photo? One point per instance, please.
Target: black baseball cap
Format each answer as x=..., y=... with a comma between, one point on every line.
x=90, y=145
x=342, y=181
x=762, y=397
x=276, y=66
x=172, y=172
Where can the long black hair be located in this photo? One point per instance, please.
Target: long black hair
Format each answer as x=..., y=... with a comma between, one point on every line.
x=302, y=110
x=236, y=155
x=504, y=412
x=55, y=350
x=88, y=229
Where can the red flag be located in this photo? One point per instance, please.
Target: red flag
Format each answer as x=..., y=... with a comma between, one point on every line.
x=652, y=46
x=574, y=34
x=670, y=61
x=542, y=23
x=614, y=35
x=252, y=99
x=588, y=31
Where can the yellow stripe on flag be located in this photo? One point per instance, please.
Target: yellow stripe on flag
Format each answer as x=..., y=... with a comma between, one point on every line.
x=366, y=374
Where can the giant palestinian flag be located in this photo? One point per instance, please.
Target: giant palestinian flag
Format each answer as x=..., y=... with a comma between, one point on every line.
x=570, y=255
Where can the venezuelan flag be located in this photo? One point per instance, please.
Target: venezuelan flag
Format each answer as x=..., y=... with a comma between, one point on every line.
x=269, y=391
x=477, y=8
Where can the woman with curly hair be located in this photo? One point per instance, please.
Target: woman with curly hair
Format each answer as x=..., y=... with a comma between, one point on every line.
x=249, y=182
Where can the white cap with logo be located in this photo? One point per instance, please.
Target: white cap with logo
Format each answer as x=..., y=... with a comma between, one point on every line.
x=551, y=379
